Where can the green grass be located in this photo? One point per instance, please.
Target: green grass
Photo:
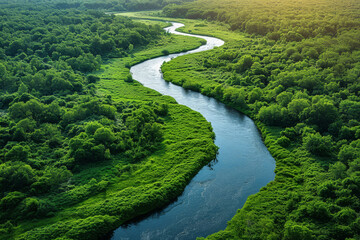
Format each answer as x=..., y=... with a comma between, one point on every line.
x=119, y=190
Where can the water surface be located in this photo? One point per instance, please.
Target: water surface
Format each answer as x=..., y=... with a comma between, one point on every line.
x=243, y=164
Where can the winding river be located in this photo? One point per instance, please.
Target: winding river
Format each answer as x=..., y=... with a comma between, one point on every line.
x=212, y=198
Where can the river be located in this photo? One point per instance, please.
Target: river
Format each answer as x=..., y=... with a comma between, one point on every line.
x=212, y=198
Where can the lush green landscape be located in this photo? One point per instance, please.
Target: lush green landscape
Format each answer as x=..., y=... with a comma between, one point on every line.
x=298, y=77
x=84, y=147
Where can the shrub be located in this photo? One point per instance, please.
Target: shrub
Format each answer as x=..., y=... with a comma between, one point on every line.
x=284, y=141
x=318, y=145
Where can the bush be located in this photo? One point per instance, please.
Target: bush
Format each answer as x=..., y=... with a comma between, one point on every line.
x=129, y=79
x=165, y=52
x=318, y=145
x=273, y=115
x=284, y=141
x=295, y=231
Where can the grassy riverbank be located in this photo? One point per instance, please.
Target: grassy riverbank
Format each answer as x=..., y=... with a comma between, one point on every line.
x=105, y=194
x=303, y=97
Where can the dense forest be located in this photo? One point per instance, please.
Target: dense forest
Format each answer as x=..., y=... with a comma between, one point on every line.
x=105, y=5
x=63, y=144
x=51, y=120
x=85, y=148
x=294, y=67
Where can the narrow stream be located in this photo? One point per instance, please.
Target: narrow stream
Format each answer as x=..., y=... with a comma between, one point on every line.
x=212, y=198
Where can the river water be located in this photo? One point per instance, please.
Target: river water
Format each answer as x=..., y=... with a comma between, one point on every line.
x=212, y=198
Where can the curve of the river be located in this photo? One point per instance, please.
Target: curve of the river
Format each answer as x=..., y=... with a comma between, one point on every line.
x=212, y=198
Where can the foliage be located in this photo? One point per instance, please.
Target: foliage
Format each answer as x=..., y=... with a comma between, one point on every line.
x=65, y=146
x=278, y=20
x=301, y=87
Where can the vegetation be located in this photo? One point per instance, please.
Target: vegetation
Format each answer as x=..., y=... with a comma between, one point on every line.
x=83, y=151
x=294, y=68
x=103, y=5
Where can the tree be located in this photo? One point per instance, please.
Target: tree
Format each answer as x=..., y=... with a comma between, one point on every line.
x=255, y=95
x=345, y=216
x=11, y=200
x=15, y=176
x=284, y=98
x=327, y=189
x=337, y=170
x=296, y=106
x=91, y=127
x=32, y=108
x=22, y=88
x=3, y=70
x=296, y=231
x=318, y=145
x=348, y=153
x=131, y=48
x=322, y=113
x=17, y=153
x=52, y=113
x=350, y=110
x=243, y=64
x=273, y=115
x=104, y=136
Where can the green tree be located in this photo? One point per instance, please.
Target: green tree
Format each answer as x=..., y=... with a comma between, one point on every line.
x=17, y=153
x=296, y=231
x=104, y=136
x=318, y=145
x=322, y=113
x=337, y=170
x=243, y=64
x=3, y=71
x=273, y=115
x=296, y=106
x=15, y=176
x=284, y=98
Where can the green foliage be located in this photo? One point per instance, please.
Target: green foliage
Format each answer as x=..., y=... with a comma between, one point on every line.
x=322, y=113
x=243, y=64
x=65, y=146
x=295, y=231
x=285, y=20
x=284, y=141
x=17, y=153
x=318, y=145
x=16, y=176
x=273, y=115
x=303, y=86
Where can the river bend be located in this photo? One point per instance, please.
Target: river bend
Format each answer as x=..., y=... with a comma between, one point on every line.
x=212, y=198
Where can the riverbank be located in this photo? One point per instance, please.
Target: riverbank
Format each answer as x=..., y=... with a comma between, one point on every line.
x=133, y=189
x=266, y=80
x=189, y=68
x=256, y=211
x=243, y=164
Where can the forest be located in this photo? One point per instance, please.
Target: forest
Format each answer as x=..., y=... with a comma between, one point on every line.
x=104, y=5
x=294, y=67
x=84, y=147
x=76, y=161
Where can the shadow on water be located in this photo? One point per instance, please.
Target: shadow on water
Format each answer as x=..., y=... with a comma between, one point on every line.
x=243, y=164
